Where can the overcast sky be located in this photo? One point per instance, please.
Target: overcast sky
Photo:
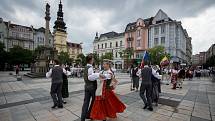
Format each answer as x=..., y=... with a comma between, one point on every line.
x=85, y=17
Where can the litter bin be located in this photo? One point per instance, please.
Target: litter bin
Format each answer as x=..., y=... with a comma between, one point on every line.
x=19, y=78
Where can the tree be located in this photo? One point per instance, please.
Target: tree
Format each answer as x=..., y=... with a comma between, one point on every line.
x=81, y=59
x=3, y=56
x=126, y=55
x=108, y=55
x=64, y=57
x=96, y=59
x=18, y=55
x=156, y=54
x=210, y=62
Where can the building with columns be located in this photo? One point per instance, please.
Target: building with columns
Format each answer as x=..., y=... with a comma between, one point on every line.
x=169, y=33
x=110, y=42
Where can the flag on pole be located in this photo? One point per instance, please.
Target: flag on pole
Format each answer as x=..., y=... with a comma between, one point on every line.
x=145, y=58
x=164, y=61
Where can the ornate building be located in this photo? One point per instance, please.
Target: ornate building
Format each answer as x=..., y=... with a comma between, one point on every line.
x=16, y=35
x=110, y=42
x=136, y=36
x=170, y=34
x=60, y=34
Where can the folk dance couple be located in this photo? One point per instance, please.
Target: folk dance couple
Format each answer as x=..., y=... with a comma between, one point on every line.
x=100, y=102
x=59, y=84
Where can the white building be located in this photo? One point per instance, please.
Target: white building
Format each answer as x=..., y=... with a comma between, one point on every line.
x=39, y=38
x=110, y=42
x=169, y=33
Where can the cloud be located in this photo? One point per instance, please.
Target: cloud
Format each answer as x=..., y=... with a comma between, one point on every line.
x=85, y=17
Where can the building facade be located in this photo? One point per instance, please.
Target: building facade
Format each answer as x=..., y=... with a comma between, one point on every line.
x=16, y=35
x=39, y=38
x=211, y=51
x=136, y=37
x=110, y=42
x=74, y=49
x=188, y=48
x=170, y=34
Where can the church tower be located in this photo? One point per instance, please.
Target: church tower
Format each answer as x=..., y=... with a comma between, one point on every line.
x=60, y=34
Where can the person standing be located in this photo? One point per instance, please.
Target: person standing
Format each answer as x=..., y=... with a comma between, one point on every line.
x=135, y=72
x=56, y=73
x=181, y=77
x=89, y=88
x=174, y=74
x=65, y=90
x=17, y=70
x=106, y=104
x=146, y=86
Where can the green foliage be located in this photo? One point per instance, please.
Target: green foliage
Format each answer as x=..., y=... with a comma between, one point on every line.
x=108, y=55
x=64, y=58
x=156, y=54
x=81, y=59
x=3, y=56
x=18, y=55
x=127, y=54
x=96, y=59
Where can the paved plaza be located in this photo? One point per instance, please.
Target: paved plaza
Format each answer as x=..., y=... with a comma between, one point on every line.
x=29, y=100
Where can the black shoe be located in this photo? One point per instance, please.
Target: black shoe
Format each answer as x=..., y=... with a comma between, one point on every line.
x=64, y=102
x=60, y=106
x=54, y=106
x=145, y=107
x=150, y=109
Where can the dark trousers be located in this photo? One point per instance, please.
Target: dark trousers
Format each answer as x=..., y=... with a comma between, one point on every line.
x=89, y=94
x=135, y=82
x=56, y=93
x=148, y=98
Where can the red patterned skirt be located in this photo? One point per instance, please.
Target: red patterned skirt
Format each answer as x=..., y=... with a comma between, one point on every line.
x=107, y=105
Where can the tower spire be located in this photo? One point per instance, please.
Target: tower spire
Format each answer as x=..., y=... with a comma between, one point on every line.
x=60, y=25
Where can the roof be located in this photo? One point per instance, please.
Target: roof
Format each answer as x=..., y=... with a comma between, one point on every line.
x=74, y=45
x=147, y=22
x=111, y=34
x=11, y=25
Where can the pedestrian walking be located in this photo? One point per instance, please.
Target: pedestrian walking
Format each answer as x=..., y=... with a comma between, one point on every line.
x=56, y=74
x=135, y=73
x=146, y=87
x=106, y=104
x=89, y=88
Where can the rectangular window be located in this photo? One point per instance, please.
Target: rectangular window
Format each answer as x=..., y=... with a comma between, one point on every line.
x=121, y=43
x=156, y=41
x=116, y=55
x=116, y=44
x=105, y=45
x=163, y=40
x=129, y=44
x=98, y=46
x=138, y=43
x=110, y=44
x=138, y=33
x=156, y=30
x=102, y=46
x=129, y=34
x=163, y=29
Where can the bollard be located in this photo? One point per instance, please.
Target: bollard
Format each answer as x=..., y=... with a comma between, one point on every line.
x=19, y=78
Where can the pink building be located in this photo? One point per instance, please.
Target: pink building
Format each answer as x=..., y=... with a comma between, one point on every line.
x=136, y=37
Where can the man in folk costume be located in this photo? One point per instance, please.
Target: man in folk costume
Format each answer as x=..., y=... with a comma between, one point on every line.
x=56, y=73
x=90, y=88
x=106, y=104
x=146, y=86
x=135, y=73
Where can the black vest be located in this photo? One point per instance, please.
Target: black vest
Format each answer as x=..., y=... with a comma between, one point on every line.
x=89, y=85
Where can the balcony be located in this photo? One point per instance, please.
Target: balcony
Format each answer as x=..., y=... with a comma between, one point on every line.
x=130, y=39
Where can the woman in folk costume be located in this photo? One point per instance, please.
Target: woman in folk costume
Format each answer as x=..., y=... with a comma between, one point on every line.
x=106, y=104
x=174, y=76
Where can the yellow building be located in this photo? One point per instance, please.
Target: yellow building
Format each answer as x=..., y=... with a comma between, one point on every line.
x=60, y=34
x=60, y=37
